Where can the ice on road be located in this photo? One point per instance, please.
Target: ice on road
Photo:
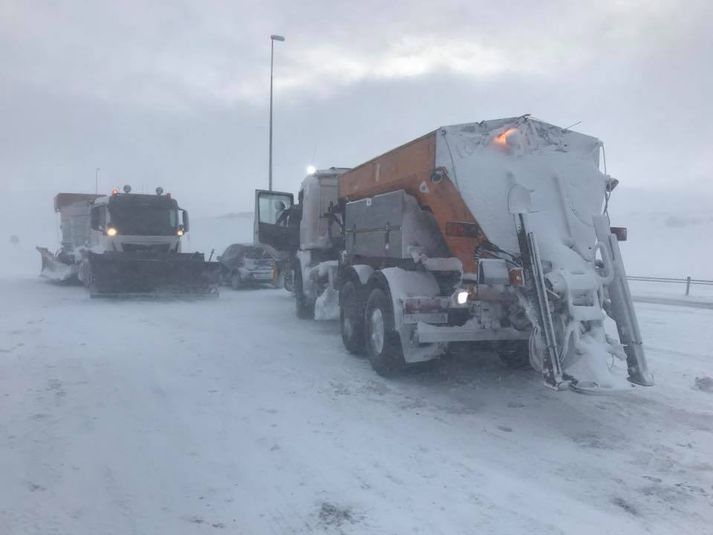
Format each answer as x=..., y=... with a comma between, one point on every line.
x=232, y=416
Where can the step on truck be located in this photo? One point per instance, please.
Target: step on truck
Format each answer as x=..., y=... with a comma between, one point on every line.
x=483, y=235
x=127, y=244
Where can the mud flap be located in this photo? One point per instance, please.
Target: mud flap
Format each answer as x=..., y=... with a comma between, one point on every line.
x=149, y=274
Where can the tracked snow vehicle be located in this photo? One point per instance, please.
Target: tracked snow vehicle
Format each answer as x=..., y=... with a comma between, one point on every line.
x=491, y=234
x=127, y=244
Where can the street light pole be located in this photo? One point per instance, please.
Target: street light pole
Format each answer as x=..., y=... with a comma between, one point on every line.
x=96, y=181
x=273, y=38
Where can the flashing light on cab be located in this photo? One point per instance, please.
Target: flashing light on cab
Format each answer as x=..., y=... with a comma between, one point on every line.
x=503, y=139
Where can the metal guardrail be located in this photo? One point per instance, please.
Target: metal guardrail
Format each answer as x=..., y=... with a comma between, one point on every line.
x=688, y=281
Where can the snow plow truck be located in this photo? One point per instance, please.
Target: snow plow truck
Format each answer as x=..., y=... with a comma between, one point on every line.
x=484, y=235
x=127, y=244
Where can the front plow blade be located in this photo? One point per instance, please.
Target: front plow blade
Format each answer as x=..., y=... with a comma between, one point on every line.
x=55, y=269
x=152, y=275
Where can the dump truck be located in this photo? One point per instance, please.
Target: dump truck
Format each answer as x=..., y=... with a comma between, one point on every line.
x=492, y=235
x=127, y=244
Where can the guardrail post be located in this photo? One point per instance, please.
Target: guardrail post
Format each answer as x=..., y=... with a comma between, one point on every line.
x=688, y=285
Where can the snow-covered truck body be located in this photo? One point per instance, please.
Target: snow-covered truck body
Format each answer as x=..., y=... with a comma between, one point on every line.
x=126, y=244
x=492, y=233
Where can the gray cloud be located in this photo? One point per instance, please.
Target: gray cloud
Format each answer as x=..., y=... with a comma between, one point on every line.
x=184, y=53
x=176, y=92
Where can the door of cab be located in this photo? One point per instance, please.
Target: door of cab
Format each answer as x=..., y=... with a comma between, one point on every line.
x=273, y=211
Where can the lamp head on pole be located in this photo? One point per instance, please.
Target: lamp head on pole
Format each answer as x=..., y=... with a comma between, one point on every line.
x=275, y=37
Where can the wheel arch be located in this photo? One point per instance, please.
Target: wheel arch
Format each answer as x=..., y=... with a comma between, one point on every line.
x=398, y=284
x=358, y=275
x=401, y=283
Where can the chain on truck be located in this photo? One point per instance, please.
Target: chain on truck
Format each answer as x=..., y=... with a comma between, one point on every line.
x=484, y=235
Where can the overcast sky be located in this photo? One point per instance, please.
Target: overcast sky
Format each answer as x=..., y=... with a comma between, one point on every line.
x=176, y=93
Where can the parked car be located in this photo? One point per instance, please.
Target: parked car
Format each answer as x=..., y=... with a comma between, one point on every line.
x=243, y=264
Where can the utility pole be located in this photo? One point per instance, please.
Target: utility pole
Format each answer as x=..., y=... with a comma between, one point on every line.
x=96, y=181
x=273, y=38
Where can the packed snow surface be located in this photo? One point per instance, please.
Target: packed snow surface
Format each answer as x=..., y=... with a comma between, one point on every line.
x=233, y=416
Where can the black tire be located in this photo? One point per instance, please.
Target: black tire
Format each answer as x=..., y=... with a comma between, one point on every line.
x=304, y=309
x=236, y=281
x=351, y=318
x=515, y=354
x=382, y=342
x=288, y=280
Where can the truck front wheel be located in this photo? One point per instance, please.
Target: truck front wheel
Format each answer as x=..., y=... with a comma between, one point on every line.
x=351, y=318
x=304, y=309
x=382, y=341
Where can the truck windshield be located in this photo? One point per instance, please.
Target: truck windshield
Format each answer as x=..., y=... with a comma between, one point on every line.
x=138, y=217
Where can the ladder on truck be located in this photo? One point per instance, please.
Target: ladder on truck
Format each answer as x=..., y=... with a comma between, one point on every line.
x=551, y=364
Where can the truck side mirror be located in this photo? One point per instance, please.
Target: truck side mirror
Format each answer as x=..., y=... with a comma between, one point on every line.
x=185, y=220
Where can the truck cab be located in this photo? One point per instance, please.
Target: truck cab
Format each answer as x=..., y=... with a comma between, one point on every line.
x=310, y=231
x=129, y=222
x=305, y=225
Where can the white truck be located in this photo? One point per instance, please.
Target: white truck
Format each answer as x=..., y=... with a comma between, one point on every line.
x=126, y=244
x=491, y=234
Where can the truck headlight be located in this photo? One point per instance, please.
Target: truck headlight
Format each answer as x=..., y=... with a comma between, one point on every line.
x=462, y=297
x=111, y=232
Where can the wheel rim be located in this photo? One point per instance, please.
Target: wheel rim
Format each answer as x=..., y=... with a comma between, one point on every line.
x=376, y=332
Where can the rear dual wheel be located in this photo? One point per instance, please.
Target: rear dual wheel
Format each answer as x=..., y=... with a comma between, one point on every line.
x=383, y=343
x=370, y=327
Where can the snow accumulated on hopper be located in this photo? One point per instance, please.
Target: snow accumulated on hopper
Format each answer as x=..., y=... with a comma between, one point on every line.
x=559, y=167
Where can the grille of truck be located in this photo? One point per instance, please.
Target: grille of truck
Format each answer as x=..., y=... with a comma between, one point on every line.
x=148, y=247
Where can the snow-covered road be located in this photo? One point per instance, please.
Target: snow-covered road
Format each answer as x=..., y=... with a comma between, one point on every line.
x=231, y=416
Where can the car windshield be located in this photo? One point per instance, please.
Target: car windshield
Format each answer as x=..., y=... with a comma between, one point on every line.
x=138, y=217
x=255, y=253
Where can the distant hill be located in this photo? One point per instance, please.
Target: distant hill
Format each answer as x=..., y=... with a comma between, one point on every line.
x=217, y=232
x=669, y=231
x=236, y=215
